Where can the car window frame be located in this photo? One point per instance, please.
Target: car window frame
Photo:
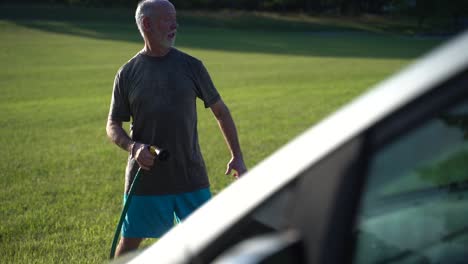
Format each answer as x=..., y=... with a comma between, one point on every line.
x=406, y=119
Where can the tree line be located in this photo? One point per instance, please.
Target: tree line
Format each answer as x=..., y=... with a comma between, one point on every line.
x=455, y=11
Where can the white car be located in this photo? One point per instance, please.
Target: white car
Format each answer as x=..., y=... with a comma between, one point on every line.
x=382, y=180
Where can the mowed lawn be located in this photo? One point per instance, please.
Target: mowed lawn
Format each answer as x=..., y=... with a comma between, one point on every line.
x=62, y=179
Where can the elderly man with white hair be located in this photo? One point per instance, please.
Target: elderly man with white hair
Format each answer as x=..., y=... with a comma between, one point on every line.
x=157, y=90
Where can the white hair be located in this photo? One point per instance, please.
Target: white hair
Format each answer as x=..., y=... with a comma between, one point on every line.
x=145, y=8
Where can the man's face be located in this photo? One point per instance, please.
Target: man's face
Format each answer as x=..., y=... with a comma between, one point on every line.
x=165, y=25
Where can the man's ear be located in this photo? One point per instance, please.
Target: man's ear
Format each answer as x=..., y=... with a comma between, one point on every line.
x=146, y=24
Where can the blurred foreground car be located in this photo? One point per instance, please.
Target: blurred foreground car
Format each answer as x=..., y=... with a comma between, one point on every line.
x=383, y=180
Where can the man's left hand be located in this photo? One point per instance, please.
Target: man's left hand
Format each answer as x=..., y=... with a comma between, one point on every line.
x=236, y=166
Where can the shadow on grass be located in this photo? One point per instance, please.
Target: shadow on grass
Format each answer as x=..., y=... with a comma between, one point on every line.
x=239, y=33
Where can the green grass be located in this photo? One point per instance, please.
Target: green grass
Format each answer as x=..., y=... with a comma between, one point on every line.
x=62, y=180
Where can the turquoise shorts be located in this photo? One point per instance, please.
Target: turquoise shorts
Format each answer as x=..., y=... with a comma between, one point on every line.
x=152, y=216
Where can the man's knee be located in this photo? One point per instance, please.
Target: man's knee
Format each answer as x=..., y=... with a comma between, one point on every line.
x=127, y=244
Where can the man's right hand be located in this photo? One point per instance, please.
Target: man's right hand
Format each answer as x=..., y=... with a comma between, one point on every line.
x=143, y=156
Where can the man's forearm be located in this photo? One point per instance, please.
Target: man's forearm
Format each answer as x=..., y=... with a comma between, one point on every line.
x=229, y=131
x=228, y=128
x=118, y=135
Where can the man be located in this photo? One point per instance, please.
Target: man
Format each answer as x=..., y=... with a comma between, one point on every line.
x=157, y=89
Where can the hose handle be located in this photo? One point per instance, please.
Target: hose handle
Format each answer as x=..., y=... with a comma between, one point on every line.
x=159, y=153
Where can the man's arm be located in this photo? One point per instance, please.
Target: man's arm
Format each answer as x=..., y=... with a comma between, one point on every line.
x=119, y=136
x=228, y=128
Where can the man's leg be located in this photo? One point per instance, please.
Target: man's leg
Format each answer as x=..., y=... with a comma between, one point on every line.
x=147, y=217
x=127, y=244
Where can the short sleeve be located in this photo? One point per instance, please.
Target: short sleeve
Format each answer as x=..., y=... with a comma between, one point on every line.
x=206, y=90
x=119, y=107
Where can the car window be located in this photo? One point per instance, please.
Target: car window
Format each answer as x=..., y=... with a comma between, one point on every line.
x=415, y=203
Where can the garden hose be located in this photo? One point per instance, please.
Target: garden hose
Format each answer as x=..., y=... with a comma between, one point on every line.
x=159, y=154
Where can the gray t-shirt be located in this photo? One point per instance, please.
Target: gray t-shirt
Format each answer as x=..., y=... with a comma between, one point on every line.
x=159, y=95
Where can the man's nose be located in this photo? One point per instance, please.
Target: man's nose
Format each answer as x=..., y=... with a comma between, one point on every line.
x=174, y=26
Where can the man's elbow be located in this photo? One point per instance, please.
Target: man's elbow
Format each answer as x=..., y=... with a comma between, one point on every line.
x=110, y=128
x=222, y=112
